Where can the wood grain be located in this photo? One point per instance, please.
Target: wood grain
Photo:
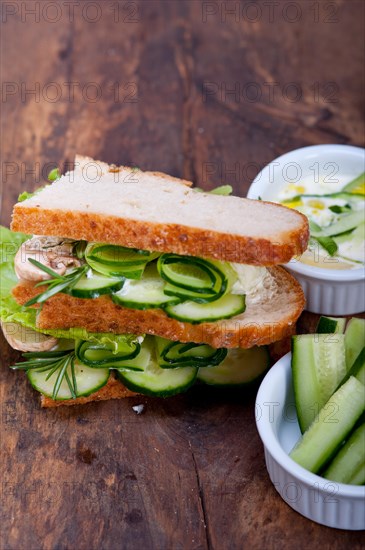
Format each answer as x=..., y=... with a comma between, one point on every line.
x=189, y=472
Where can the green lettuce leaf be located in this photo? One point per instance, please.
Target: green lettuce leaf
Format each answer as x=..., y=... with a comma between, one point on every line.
x=11, y=311
x=9, y=245
x=26, y=195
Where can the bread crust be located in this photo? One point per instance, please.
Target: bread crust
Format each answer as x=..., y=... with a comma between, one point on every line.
x=125, y=228
x=113, y=389
x=161, y=237
x=270, y=319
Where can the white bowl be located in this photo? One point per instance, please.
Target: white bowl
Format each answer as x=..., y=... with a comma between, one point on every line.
x=327, y=291
x=325, y=502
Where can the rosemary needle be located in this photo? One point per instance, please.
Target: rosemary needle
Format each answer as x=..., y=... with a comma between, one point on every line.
x=58, y=283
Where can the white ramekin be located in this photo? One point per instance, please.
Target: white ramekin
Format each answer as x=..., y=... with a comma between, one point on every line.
x=327, y=291
x=325, y=502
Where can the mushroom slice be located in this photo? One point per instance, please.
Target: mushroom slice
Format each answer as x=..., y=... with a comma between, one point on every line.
x=52, y=252
x=26, y=339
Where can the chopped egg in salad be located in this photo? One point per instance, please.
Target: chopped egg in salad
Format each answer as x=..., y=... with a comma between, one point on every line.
x=336, y=214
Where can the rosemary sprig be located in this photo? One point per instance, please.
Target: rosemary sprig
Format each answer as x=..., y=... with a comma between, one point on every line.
x=58, y=283
x=52, y=361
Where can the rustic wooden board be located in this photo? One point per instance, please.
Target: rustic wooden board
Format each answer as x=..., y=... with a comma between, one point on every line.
x=189, y=472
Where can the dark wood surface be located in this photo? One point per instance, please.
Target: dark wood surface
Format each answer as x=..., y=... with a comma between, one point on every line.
x=189, y=472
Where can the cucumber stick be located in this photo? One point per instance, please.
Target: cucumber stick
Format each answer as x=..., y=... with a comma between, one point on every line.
x=330, y=325
x=359, y=476
x=349, y=460
x=357, y=369
x=331, y=426
x=318, y=366
x=354, y=340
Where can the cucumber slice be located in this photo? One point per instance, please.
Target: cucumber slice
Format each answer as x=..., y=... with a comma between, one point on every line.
x=330, y=325
x=156, y=381
x=349, y=459
x=147, y=293
x=172, y=355
x=340, y=209
x=318, y=366
x=98, y=355
x=94, y=285
x=114, y=255
x=241, y=367
x=357, y=185
x=192, y=278
x=187, y=272
x=330, y=427
x=345, y=223
x=351, y=245
x=342, y=195
x=138, y=363
x=225, y=307
x=113, y=260
x=88, y=381
x=328, y=244
x=354, y=340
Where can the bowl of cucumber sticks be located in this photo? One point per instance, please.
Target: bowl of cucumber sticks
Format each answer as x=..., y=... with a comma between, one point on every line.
x=310, y=414
x=326, y=183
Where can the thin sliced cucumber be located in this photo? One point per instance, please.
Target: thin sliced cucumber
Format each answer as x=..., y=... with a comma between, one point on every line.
x=88, y=381
x=140, y=362
x=318, y=366
x=328, y=244
x=156, y=381
x=147, y=293
x=330, y=325
x=192, y=278
x=354, y=340
x=172, y=355
x=225, y=307
x=344, y=223
x=94, y=285
x=114, y=255
x=342, y=195
x=349, y=458
x=357, y=185
x=187, y=272
x=97, y=355
x=351, y=245
x=241, y=367
x=330, y=427
x=113, y=260
x=340, y=209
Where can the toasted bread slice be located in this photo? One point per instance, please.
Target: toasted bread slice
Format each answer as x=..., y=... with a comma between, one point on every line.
x=153, y=211
x=113, y=389
x=88, y=165
x=269, y=316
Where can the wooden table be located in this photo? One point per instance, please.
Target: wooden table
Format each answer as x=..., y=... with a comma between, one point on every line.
x=191, y=89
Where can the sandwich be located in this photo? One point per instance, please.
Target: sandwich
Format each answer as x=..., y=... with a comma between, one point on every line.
x=117, y=281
